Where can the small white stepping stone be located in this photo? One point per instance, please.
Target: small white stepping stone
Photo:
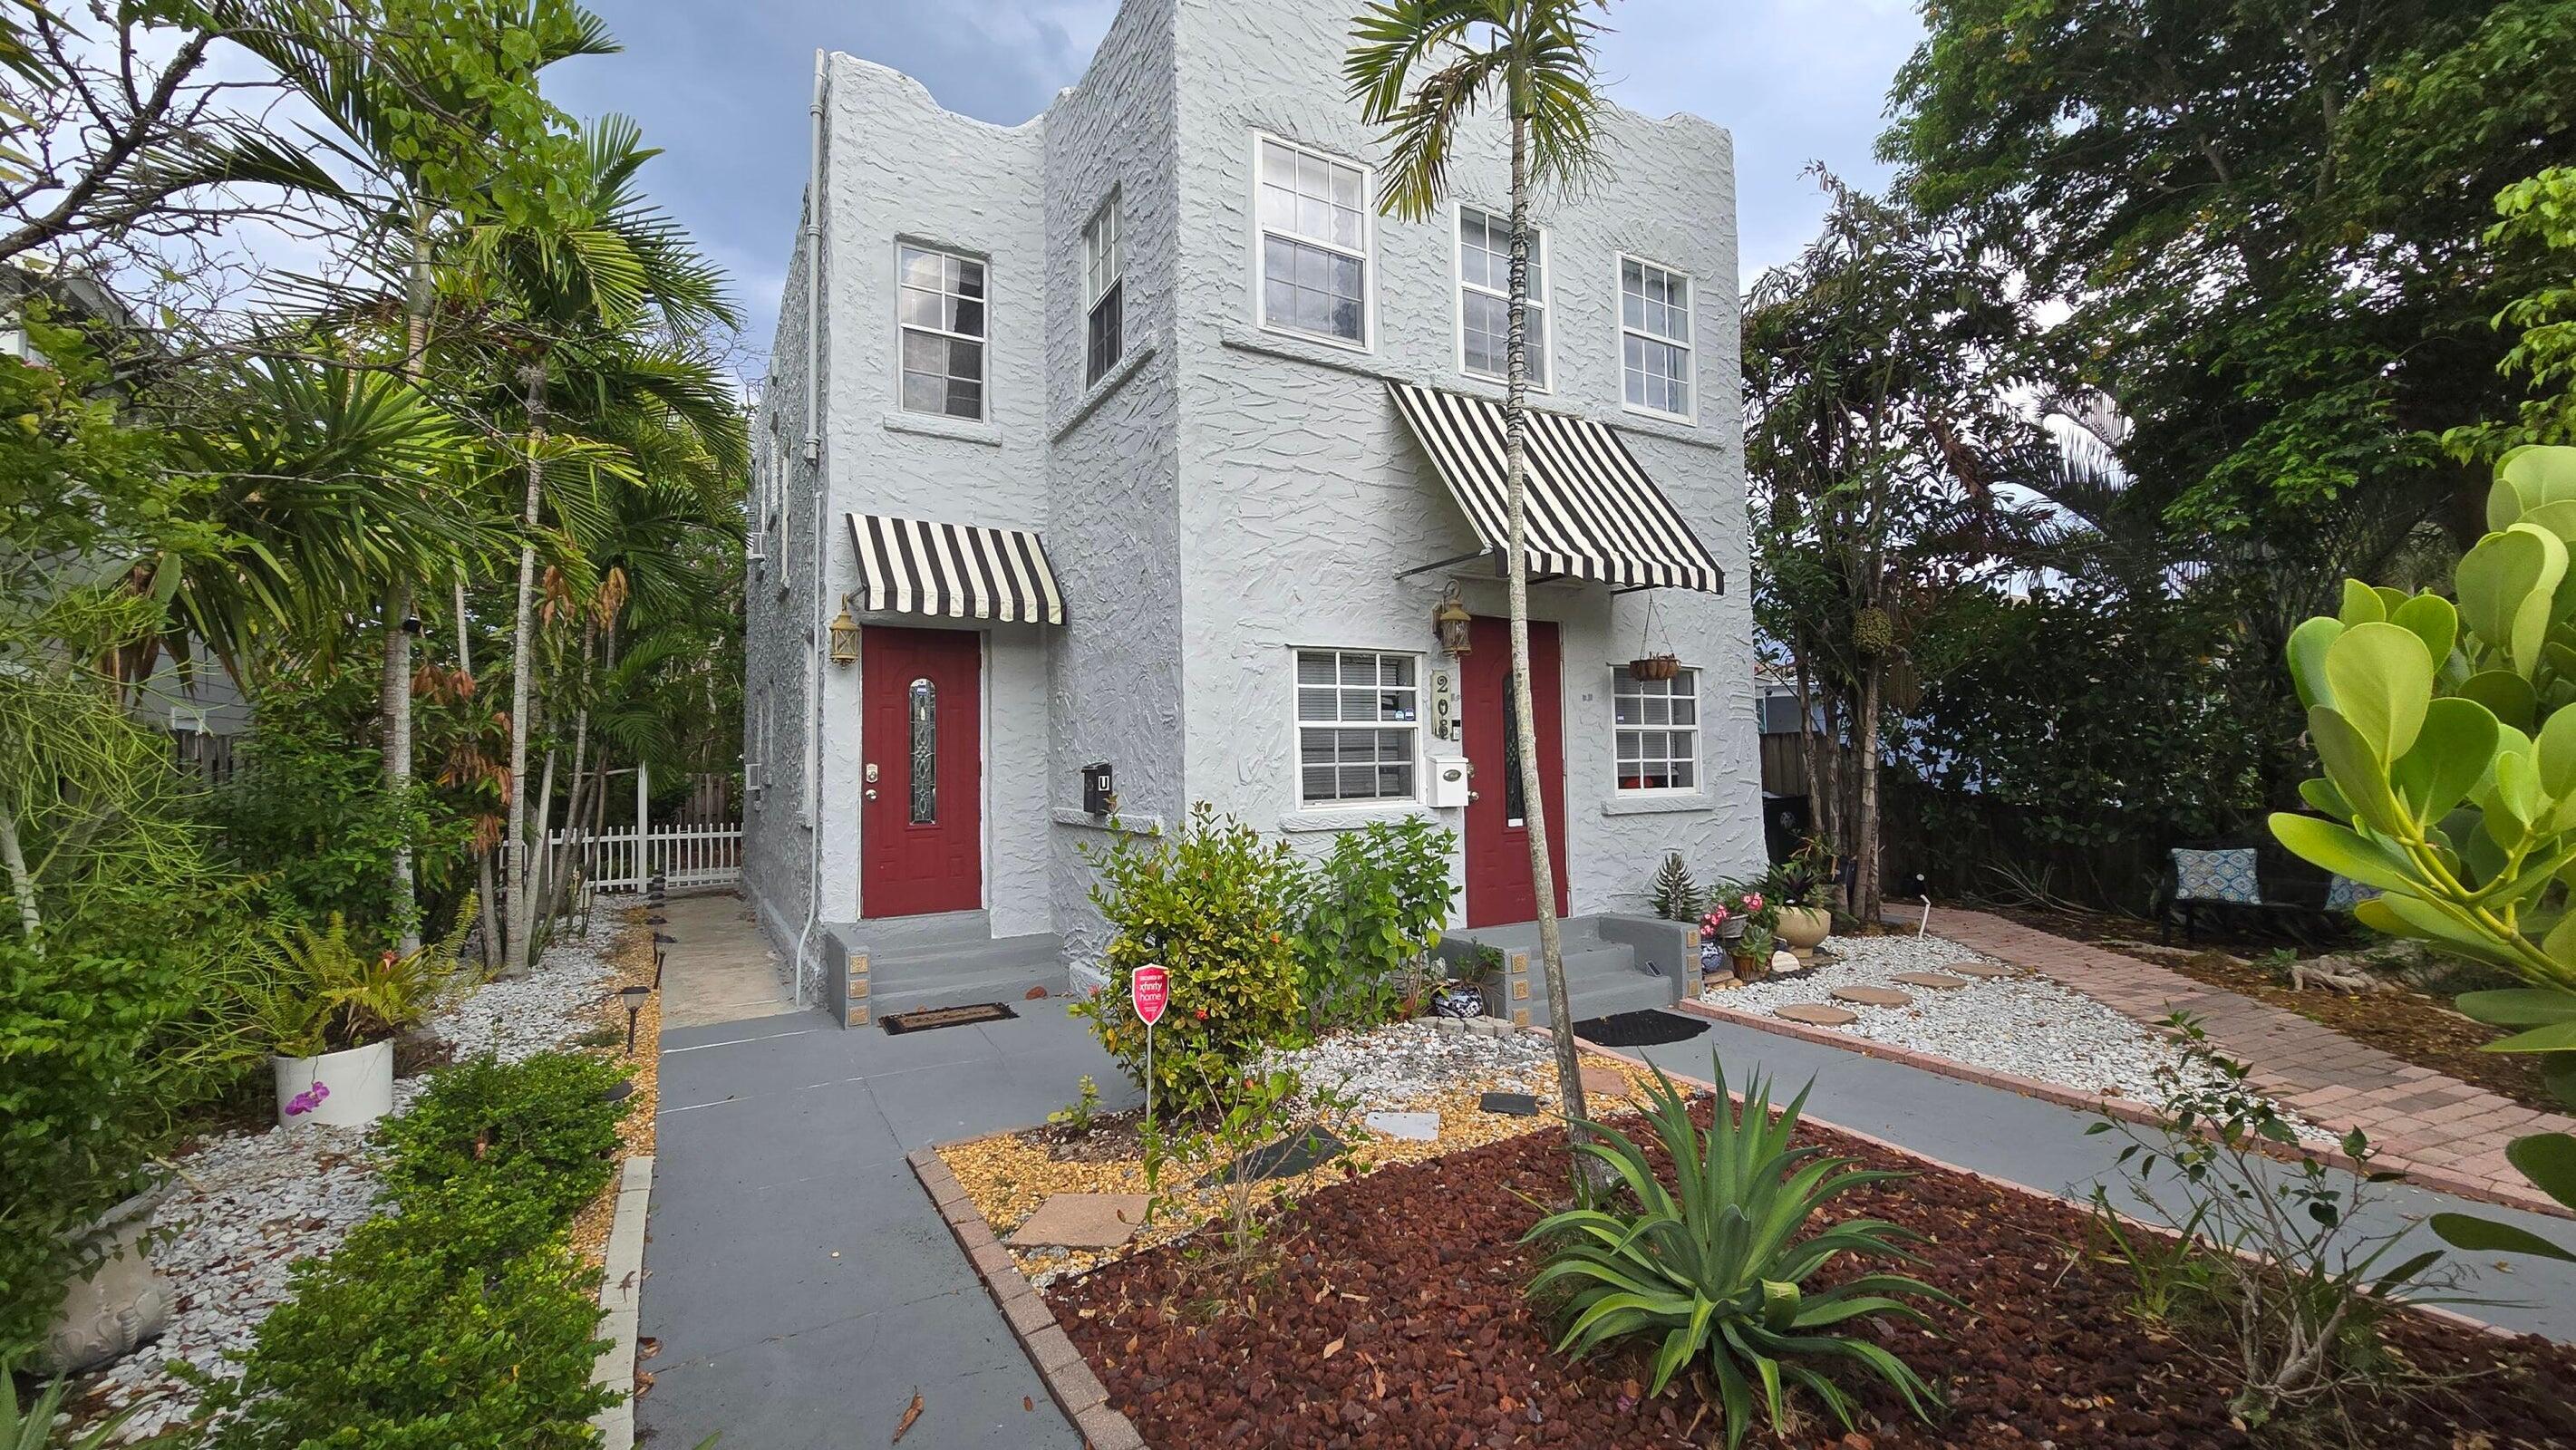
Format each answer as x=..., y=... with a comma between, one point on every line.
x=1412, y=1127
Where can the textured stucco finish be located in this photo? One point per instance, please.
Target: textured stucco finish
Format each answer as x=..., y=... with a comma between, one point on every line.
x=1229, y=493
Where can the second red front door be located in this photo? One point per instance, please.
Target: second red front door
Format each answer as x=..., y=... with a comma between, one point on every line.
x=1497, y=844
x=921, y=802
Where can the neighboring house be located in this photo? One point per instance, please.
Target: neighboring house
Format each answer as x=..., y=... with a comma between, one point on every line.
x=1132, y=438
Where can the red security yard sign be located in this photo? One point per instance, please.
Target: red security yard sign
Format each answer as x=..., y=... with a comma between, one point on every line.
x=1151, y=990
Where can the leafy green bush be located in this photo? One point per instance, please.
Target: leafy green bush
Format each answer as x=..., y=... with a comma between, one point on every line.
x=1209, y=902
x=327, y=996
x=462, y=1321
x=79, y=1110
x=544, y=1127
x=408, y=1339
x=1367, y=914
x=1718, y=1271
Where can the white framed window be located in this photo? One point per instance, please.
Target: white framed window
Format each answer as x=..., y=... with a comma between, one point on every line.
x=1313, y=233
x=1485, y=297
x=1104, y=327
x=1358, y=726
x=941, y=304
x=1656, y=724
x=1655, y=339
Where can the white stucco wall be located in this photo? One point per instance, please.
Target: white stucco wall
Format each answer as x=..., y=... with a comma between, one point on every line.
x=1226, y=493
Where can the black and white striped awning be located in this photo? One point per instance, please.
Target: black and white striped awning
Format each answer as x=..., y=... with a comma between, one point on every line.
x=1591, y=512
x=958, y=571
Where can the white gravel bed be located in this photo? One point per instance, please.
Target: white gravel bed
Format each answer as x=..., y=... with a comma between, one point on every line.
x=1403, y=1063
x=2025, y=1025
x=247, y=1206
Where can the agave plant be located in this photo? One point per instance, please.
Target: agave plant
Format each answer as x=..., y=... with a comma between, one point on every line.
x=1720, y=1270
x=32, y=1428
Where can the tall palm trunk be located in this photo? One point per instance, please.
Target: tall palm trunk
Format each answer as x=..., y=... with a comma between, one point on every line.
x=1866, y=903
x=1551, y=942
x=22, y=884
x=393, y=691
x=515, y=857
x=487, y=905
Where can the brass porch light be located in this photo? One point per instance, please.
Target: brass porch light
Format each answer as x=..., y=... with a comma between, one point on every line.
x=845, y=636
x=1450, y=620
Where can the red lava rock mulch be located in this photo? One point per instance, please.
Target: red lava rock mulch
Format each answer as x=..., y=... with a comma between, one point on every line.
x=1396, y=1320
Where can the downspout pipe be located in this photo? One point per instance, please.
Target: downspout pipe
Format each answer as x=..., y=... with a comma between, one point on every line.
x=815, y=632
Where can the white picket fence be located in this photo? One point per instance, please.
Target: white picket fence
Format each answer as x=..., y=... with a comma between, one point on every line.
x=685, y=855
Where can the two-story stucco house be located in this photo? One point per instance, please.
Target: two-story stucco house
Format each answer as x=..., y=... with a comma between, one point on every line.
x=1132, y=453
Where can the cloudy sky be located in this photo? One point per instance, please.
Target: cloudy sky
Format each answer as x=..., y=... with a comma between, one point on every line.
x=721, y=86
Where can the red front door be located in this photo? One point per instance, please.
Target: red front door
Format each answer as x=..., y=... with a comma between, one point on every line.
x=921, y=807
x=1498, y=860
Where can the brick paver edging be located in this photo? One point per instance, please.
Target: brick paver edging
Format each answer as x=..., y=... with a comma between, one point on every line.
x=1069, y=1380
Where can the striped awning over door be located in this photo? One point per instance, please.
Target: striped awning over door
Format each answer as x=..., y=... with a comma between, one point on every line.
x=1591, y=512
x=956, y=571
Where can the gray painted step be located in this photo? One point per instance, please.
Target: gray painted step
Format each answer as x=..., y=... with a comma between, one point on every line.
x=990, y=970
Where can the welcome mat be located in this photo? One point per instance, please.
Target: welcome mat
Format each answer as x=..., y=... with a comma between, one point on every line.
x=1638, y=1029
x=926, y=1018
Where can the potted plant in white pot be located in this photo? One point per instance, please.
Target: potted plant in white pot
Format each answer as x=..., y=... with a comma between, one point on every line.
x=333, y=1014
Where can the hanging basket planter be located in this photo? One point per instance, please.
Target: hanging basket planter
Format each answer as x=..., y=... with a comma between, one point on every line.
x=1655, y=667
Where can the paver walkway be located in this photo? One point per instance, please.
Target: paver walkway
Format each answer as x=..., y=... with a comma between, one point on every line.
x=801, y=1285
x=718, y=967
x=2441, y=1131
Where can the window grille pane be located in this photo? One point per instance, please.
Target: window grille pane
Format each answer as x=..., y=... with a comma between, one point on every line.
x=924, y=270
x=1313, y=704
x=1314, y=667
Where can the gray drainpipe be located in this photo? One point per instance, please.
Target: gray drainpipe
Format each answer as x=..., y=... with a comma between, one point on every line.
x=814, y=637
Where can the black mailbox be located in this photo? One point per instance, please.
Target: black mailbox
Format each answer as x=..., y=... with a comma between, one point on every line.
x=1099, y=792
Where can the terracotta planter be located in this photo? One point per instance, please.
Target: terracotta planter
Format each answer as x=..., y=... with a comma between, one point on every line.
x=1751, y=969
x=121, y=1303
x=1802, y=928
x=340, y=1089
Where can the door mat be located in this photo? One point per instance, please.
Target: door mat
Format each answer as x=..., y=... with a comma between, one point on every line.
x=924, y=1019
x=1286, y=1158
x=1638, y=1029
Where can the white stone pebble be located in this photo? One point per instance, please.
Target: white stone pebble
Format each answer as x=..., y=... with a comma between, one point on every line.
x=2025, y=1025
x=1404, y=1063
x=247, y=1206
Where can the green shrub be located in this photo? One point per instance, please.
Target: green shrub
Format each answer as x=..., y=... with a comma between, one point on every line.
x=1718, y=1272
x=407, y=1339
x=541, y=1130
x=1209, y=902
x=1367, y=915
x=326, y=995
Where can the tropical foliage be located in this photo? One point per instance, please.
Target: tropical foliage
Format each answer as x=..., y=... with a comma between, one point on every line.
x=1714, y=1268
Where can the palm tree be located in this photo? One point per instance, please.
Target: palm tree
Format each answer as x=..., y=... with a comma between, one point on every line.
x=421, y=123
x=607, y=300
x=1419, y=69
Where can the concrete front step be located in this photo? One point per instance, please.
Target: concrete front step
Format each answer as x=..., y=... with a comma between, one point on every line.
x=874, y=967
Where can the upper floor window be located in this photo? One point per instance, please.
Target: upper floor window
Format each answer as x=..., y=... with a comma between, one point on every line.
x=1484, y=298
x=1358, y=726
x=1656, y=725
x=1103, y=267
x=1314, y=224
x=942, y=310
x=1655, y=338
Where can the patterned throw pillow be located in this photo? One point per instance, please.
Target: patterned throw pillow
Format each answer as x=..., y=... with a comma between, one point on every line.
x=2343, y=894
x=2217, y=876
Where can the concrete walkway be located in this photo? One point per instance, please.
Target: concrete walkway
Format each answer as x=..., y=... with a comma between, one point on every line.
x=719, y=968
x=2044, y=1146
x=2421, y=1121
x=800, y=1283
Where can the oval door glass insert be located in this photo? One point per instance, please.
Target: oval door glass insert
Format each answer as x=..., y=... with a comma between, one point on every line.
x=925, y=753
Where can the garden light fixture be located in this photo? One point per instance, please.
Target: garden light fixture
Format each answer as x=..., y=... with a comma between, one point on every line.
x=634, y=998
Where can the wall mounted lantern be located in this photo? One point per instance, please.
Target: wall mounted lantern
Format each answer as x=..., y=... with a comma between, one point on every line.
x=845, y=636
x=1451, y=620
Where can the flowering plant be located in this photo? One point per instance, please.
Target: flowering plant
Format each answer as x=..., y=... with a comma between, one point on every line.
x=1733, y=905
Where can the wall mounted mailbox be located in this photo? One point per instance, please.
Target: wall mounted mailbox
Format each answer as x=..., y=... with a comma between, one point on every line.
x=1449, y=778
x=1099, y=790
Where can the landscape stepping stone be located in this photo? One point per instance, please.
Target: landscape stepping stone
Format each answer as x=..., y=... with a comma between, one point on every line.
x=1510, y=1105
x=1286, y=1158
x=1412, y=1127
x=1987, y=970
x=1082, y=1221
x=1816, y=1014
x=1602, y=1082
x=1873, y=996
x=1932, y=981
